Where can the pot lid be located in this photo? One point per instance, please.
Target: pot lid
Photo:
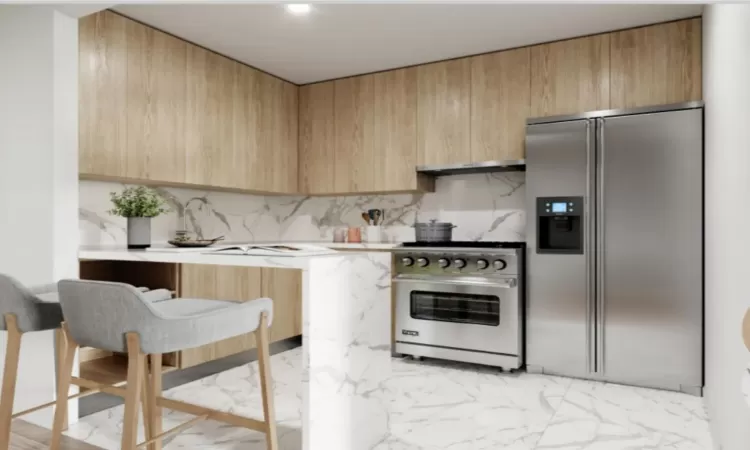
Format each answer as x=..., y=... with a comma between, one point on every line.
x=434, y=223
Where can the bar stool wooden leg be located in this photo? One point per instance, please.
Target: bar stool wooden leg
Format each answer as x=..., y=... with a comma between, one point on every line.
x=63, y=386
x=10, y=374
x=266, y=383
x=152, y=412
x=136, y=362
x=60, y=345
x=145, y=406
x=155, y=386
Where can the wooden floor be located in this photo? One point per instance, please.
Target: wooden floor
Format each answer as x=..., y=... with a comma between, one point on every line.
x=27, y=436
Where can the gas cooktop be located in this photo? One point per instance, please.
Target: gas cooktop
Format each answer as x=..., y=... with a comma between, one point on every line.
x=466, y=244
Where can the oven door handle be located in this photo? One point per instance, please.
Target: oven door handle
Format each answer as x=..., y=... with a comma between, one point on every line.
x=508, y=283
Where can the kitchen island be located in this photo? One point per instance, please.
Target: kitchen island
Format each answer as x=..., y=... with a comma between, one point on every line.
x=346, y=335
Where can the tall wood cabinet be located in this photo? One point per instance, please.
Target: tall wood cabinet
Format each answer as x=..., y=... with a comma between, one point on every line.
x=443, y=112
x=500, y=103
x=156, y=104
x=656, y=65
x=317, y=150
x=352, y=116
x=394, y=138
x=570, y=76
x=239, y=284
x=103, y=98
x=210, y=152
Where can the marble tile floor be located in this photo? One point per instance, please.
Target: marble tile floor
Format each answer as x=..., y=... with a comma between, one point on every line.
x=439, y=405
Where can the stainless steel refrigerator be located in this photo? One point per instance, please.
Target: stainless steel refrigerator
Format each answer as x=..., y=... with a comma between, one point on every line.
x=615, y=246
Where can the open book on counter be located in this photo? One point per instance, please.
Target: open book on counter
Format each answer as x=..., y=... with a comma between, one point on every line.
x=273, y=250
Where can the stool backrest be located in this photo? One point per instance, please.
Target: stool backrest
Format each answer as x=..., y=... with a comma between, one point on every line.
x=99, y=313
x=17, y=299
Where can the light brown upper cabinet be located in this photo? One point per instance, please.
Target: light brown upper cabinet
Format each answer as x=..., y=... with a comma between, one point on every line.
x=352, y=109
x=500, y=103
x=156, y=90
x=317, y=151
x=394, y=154
x=103, y=64
x=246, y=116
x=656, y=65
x=569, y=77
x=443, y=112
x=210, y=158
x=278, y=134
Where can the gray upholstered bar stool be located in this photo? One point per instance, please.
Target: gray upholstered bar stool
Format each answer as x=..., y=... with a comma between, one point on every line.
x=118, y=318
x=22, y=310
x=25, y=310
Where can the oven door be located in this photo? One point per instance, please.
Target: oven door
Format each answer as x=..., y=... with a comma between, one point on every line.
x=463, y=313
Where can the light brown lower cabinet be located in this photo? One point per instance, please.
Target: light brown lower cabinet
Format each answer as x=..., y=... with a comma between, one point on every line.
x=236, y=283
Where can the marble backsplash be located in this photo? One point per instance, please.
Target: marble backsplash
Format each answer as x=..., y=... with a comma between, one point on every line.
x=483, y=206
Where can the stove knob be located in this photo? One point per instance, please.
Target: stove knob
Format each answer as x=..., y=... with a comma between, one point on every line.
x=443, y=262
x=422, y=262
x=407, y=261
x=499, y=264
x=460, y=263
x=482, y=264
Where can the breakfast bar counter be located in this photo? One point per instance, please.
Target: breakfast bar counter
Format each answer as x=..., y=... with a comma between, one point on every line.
x=346, y=335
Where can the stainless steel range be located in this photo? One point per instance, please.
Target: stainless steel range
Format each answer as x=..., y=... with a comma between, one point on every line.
x=461, y=301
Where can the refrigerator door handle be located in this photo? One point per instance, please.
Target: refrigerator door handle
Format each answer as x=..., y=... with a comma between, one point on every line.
x=600, y=247
x=588, y=244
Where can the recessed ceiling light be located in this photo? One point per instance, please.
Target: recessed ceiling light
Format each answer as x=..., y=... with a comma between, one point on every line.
x=298, y=8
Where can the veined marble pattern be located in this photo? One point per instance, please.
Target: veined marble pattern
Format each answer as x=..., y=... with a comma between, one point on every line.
x=445, y=406
x=484, y=206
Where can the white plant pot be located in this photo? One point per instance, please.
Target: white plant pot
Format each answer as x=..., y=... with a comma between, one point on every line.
x=139, y=232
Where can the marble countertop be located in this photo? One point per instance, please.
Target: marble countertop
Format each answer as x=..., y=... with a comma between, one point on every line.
x=197, y=257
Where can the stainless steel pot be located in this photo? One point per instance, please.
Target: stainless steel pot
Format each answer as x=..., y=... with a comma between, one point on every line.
x=434, y=231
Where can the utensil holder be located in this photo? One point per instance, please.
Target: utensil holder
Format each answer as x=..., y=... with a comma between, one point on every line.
x=374, y=233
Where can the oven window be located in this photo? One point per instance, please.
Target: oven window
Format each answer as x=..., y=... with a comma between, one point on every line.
x=459, y=308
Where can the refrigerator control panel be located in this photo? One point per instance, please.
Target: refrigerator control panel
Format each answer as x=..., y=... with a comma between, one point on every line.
x=559, y=206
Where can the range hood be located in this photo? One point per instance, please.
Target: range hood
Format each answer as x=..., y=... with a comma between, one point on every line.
x=516, y=165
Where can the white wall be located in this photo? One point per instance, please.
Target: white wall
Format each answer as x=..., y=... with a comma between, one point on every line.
x=726, y=91
x=38, y=170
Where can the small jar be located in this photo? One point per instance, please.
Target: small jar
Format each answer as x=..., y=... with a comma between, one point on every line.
x=354, y=235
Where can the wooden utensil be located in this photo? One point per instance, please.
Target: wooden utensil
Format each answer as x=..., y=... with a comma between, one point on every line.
x=366, y=218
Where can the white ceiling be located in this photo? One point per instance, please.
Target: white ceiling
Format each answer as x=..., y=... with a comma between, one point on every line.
x=337, y=40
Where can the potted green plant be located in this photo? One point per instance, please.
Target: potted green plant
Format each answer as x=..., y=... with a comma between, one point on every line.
x=138, y=204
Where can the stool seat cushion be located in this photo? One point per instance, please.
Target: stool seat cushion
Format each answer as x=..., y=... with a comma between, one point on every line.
x=99, y=314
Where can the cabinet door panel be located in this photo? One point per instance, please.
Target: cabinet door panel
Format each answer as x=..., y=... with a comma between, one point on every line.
x=443, y=112
x=569, y=77
x=656, y=65
x=229, y=283
x=393, y=153
x=317, y=151
x=278, y=134
x=156, y=88
x=353, y=133
x=210, y=158
x=500, y=103
x=247, y=113
x=284, y=287
x=103, y=94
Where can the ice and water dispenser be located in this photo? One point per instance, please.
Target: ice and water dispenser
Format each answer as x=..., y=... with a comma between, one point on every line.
x=559, y=225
